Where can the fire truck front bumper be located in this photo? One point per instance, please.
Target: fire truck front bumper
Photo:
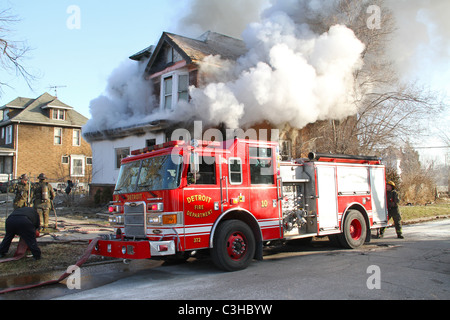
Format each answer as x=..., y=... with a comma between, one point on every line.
x=134, y=250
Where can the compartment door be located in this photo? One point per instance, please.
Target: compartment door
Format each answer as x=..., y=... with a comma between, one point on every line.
x=327, y=198
x=378, y=186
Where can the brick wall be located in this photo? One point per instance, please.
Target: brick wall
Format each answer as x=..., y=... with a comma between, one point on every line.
x=38, y=153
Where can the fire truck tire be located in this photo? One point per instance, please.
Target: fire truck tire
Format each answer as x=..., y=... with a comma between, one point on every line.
x=233, y=246
x=354, y=231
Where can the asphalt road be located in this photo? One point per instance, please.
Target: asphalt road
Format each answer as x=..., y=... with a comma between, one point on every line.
x=417, y=267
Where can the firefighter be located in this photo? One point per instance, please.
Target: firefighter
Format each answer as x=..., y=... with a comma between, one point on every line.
x=42, y=200
x=23, y=222
x=393, y=210
x=22, y=190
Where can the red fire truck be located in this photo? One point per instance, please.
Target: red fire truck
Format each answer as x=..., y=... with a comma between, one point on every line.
x=233, y=197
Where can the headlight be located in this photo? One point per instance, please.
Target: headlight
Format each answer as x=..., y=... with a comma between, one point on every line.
x=165, y=219
x=117, y=219
x=154, y=219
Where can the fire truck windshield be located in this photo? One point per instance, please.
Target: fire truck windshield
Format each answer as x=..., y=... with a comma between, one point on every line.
x=157, y=173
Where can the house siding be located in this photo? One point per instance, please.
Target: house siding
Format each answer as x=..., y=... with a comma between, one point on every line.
x=105, y=172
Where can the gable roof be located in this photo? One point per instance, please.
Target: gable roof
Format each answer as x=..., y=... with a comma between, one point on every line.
x=34, y=111
x=195, y=50
x=18, y=103
x=143, y=54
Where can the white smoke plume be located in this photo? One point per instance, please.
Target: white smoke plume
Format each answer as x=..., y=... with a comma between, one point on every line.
x=226, y=17
x=127, y=99
x=289, y=75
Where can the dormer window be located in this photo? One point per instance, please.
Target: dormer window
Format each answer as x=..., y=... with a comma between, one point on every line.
x=58, y=114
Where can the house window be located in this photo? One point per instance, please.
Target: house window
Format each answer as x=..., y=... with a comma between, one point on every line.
x=89, y=161
x=121, y=153
x=58, y=114
x=169, y=57
x=172, y=55
x=65, y=159
x=168, y=88
x=57, y=137
x=76, y=139
x=175, y=87
x=150, y=142
x=77, y=166
x=6, y=165
x=8, y=139
x=183, y=87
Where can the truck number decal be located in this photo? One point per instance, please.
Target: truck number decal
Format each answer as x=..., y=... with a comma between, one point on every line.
x=264, y=203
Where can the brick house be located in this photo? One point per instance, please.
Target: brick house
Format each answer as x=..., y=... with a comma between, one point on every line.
x=43, y=135
x=173, y=65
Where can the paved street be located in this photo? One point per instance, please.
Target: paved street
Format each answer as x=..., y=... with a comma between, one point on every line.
x=415, y=268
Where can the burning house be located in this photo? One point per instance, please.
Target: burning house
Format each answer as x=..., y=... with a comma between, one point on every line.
x=280, y=76
x=167, y=70
x=171, y=68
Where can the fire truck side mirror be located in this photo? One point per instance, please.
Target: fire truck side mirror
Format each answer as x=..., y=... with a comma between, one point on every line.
x=194, y=163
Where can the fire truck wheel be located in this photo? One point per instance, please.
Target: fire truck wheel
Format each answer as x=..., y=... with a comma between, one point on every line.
x=233, y=245
x=354, y=231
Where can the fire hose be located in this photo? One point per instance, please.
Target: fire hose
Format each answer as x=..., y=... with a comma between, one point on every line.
x=20, y=253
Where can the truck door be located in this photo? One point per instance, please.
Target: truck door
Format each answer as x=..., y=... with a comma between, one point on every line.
x=201, y=202
x=265, y=201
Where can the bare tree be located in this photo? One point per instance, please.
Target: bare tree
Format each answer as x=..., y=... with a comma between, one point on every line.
x=389, y=112
x=12, y=52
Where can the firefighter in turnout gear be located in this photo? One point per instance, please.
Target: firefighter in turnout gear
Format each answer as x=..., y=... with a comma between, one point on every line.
x=43, y=196
x=393, y=210
x=23, y=222
x=23, y=192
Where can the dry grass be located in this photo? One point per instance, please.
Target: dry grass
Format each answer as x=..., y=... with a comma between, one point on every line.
x=55, y=256
x=424, y=212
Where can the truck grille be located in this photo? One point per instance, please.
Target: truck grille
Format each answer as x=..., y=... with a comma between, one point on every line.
x=135, y=226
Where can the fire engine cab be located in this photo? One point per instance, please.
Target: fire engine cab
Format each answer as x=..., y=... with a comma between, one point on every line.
x=232, y=197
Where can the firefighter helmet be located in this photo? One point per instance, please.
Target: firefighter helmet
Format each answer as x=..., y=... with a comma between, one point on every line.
x=42, y=177
x=391, y=183
x=24, y=177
